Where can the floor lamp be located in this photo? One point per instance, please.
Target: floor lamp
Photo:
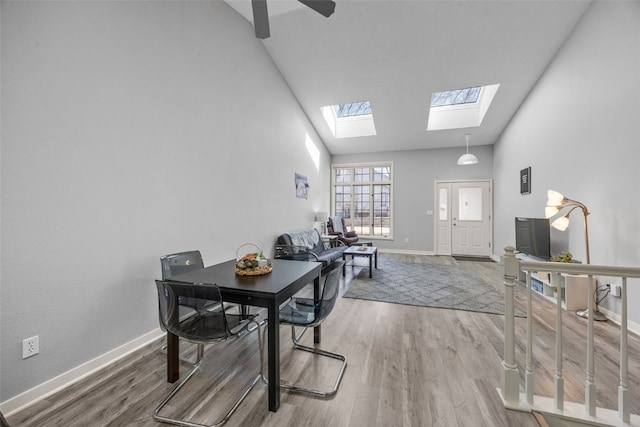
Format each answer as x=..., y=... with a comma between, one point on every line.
x=556, y=204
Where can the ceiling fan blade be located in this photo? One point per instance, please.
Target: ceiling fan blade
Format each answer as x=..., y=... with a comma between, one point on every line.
x=260, y=18
x=323, y=7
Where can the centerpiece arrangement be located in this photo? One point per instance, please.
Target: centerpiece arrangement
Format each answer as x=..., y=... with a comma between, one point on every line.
x=252, y=263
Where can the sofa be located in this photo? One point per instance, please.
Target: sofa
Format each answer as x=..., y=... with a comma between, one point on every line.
x=307, y=245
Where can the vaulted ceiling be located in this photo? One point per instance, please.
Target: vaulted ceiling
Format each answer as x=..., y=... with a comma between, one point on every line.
x=396, y=53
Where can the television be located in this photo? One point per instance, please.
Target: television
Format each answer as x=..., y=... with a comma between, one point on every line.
x=533, y=237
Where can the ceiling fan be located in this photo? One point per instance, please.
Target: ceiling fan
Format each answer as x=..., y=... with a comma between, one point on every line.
x=261, y=17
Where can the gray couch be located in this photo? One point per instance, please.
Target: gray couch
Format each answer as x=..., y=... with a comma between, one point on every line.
x=307, y=245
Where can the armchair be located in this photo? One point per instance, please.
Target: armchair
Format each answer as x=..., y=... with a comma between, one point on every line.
x=340, y=230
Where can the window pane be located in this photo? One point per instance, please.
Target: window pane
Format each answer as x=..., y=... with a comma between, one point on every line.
x=382, y=174
x=454, y=97
x=361, y=202
x=381, y=210
x=470, y=204
x=343, y=175
x=444, y=214
x=353, y=109
x=361, y=174
x=343, y=201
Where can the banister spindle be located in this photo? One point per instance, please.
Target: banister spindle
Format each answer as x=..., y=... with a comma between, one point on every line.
x=528, y=373
x=558, y=394
x=589, y=385
x=623, y=394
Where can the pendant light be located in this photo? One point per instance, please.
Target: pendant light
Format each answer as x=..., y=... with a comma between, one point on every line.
x=467, y=159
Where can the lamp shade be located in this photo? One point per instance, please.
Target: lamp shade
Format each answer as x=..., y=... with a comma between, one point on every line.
x=561, y=223
x=467, y=159
x=550, y=211
x=321, y=216
x=554, y=198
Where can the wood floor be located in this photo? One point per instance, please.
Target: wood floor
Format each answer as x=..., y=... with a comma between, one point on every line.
x=407, y=366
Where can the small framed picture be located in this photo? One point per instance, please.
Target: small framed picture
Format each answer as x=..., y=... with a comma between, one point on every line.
x=525, y=181
x=302, y=186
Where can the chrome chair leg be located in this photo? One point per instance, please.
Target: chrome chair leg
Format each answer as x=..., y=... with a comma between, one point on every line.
x=225, y=418
x=163, y=350
x=298, y=346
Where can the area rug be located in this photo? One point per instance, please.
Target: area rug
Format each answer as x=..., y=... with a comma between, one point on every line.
x=430, y=285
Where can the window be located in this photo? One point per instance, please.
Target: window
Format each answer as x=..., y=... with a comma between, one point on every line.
x=353, y=109
x=350, y=120
x=455, y=97
x=460, y=108
x=362, y=196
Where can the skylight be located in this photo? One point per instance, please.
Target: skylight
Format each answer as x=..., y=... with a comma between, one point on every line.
x=460, y=108
x=455, y=97
x=353, y=109
x=350, y=120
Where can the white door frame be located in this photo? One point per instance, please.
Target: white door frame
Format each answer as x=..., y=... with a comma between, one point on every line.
x=443, y=229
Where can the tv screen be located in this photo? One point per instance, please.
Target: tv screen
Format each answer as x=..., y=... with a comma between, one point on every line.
x=533, y=237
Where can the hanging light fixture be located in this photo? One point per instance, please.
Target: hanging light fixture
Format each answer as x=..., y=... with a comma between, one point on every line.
x=467, y=159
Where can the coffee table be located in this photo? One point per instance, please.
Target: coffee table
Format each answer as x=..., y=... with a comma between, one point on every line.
x=369, y=251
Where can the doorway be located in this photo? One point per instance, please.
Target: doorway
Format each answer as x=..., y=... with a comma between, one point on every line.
x=464, y=218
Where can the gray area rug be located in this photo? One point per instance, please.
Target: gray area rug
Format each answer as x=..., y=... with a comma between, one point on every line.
x=430, y=285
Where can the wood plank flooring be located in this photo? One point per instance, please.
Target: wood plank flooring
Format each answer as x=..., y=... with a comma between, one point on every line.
x=407, y=366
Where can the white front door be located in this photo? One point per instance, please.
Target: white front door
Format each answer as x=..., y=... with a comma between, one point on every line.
x=463, y=222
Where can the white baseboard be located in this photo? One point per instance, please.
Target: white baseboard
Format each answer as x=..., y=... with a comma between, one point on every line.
x=616, y=318
x=58, y=383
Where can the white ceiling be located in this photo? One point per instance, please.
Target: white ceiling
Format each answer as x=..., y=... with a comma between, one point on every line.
x=395, y=53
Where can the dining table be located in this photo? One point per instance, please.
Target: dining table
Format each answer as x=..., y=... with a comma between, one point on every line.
x=269, y=291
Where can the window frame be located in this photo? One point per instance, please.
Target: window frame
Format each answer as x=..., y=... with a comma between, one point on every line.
x=371, y=183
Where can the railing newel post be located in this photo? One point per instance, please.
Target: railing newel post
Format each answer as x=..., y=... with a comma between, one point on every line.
x=511, y=388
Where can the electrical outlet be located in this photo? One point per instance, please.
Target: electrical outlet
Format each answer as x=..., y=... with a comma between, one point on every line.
x=30, y=347
x=616, y=290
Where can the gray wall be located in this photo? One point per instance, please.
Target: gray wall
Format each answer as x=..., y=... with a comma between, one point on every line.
x=414, y=174
x=131, y=130
x=578, y=130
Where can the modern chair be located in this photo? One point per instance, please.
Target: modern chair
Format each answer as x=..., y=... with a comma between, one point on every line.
x=184, y=262
x=309, y=313
x=178, y=263
x=340, y=230
x=200, y=327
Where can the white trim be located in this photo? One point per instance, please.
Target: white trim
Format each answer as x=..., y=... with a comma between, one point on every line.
x=76, y=374
x=574, y=414
x=615, y=318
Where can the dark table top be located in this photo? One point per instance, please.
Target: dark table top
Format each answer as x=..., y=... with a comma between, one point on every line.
x=272, y=285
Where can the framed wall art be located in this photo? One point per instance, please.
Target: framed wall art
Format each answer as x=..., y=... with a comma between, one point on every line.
x=302, y=186
x=525, y=181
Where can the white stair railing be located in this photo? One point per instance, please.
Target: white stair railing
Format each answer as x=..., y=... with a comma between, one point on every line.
x=566, y=413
